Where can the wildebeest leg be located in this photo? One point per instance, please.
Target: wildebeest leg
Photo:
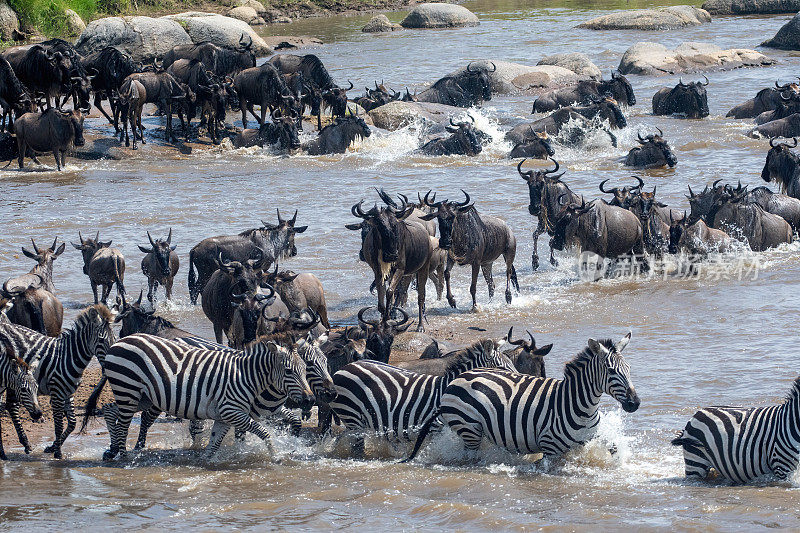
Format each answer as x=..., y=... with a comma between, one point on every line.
x=487, y=275
x=394, y=281
x=535, y=254
x=21, y=147
x=139, y=122
x=553, y=260
x=511, y=273
x=170, y=136
x=94, y=291
x=98, y=103
x=12, y=406
x=381, y=287
x=168, y=287
x=218, y=333
x=58, y=159
x=448, y=268
x=243, y=106
x=151, y=288
x=422, y=280
x=263, y=115
x=402, y=291
x=251, y=108
x=473, y=286
x=106, y=292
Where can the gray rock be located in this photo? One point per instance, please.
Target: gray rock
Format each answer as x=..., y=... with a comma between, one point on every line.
x=751, y=7
x=75, y=24
x=246, y=14
x=218, y=29
x=399, y=114
x=512, y=78
x=654, y=59
x=380, y=23
x=9, y=23
x=440, y=16
x=788, y=37
x=143, y=38
x=255, y=4
x=668, y=18
x=576, y=62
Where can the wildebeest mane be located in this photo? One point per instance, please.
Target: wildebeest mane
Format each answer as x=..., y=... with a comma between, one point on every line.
x=312, y=68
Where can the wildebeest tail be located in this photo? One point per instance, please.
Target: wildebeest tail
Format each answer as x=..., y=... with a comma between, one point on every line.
x=192, y=277
x=423, y=433
x=37, y=319
x=119, y=273
x=514, y=278
x=91, y=403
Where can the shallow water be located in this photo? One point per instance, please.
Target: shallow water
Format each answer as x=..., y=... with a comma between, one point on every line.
x=715, y=340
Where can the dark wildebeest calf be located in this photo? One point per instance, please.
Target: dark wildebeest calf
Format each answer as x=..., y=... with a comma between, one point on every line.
x=103, y=265
x=159, y=265
x=654, y=152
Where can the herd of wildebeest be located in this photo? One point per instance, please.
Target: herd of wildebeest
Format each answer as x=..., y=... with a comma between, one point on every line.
x=280, y=315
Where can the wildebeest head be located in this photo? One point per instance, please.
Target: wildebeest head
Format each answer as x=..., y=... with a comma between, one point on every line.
x=618, y=86
x=706, y=203
x=656, y=144
x=642, y=204
x=381, y=333
x=530, y=359
x=622, y=195
x=536, y=145
x=781, y=164
x=609, y=109
x=44, y=257
x=408, y=97
x=283, y=233
x=134, y=317
x=336, y=98
x=477, y=81
x=445, y=212
x=690, y=98
x=215, y=96
x=386, y=223
x=285, y=126
x=161, y=250
x=75, y=120
x=568, y=211
x=465, y=134
x=89, y=247
x=249, y=307
x=536, y=181
x=677, y=228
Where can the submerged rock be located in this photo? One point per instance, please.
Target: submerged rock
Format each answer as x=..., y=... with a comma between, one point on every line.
x=577, y=62
x=668, y=18
x=653, y=58
x=380, y=23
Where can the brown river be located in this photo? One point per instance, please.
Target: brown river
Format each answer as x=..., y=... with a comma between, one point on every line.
x=717, y=339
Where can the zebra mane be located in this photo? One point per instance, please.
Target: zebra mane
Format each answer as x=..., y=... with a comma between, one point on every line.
x=794, y=392
x=8, y=349
x=465, y=356
x=586, y=355
x=104, y=312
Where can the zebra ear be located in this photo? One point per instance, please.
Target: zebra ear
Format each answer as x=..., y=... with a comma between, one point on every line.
x=622, y=343
x=301, y=342
x=597, y=348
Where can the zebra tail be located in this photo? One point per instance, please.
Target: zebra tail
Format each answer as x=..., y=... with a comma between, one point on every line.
x=192, y=274
x=426, y=428
x=35, y=314
x=91, y=403
x=682, y=440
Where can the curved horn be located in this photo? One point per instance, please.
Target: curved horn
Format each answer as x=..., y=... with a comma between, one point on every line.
x=533, y=341
x=152, y=242
x=36, y=248
x=795, y=143
x=280, y=220
x=706, y=83
x=520, y=342
x=293, y=219
x=772, y=141
x=169, y=236
x=603, y=190
x=431, y=202
x=362, y=320
x=395, y=323
x=351, y=85
x=691, y=193
x=469, y=67
x=714, y=185
x=80, y=236
x=97, y=236
x=357, y=211
x=641, y=183
x=494, y=67
x=660, y=133
x=680, y=82
x=526, y=174
x=55, y=241
x=465, y=202
x=559, y=201
x=639, y=136
x=270, y=288
x=555, y=169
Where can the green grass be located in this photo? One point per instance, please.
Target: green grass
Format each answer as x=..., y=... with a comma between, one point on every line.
x=48, y=15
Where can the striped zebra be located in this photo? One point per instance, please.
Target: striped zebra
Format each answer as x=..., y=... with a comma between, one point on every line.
x=271, y=402
x=17, y=377
x=743, y=443
x=393, y=401
x=61, y=362
x=528, y=415
x=148, y=373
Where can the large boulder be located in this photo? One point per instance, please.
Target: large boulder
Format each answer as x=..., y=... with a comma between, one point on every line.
x=668, y=18
x=398, y=114
x=9, y=23
x=577, y=62
x=75, y=24
x=654, y=59
x=511, y=78
x=439, y=16
x=143, y=38
x=246, y=14
x=220, y=30
x=255, y=4
x=788, y=37
x=380, y=23
x=751, y=7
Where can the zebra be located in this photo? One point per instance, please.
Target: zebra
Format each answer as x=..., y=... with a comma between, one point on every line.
x=148, y=373
x=395, y=402
x=528, y=415
x=61, y=362
x=743, y=443
x=17, y=376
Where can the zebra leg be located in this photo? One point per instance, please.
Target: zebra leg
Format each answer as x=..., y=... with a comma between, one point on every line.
x=3, y=456
x=196, y=428
x=486, y=268
x=218, y=432
x=111, y=416
x=12, y=406
x=242, y=421
x=57, y=404
x=695, y=461
x=294, y=421
x=324, y=418
x=69, y=410
x=148, y=418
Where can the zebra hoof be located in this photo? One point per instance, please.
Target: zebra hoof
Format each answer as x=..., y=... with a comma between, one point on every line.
x=108, y=455
x=57, y=454
x=50, y=449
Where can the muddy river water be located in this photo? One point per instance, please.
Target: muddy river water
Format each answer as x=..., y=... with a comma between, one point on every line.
x=712, y=340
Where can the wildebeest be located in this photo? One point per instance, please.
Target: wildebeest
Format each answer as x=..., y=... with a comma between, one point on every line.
x=696, y=238
x=335, y=138
x=221, y=61
x=263, y=86
x=374, y=98
x=112, y=67
x=320, y=83
x=41, y=70
x=606, y=230
x=130, y=101
x=544, y=191
x=465, y=89
x=380, y=333
x=159, y=265
x=273, y=241
x=474, y=240
x=395, y=247
x=584, y=92
x=622, y=195
x=14, y=98
x=786, y=106
x=211, y=96
x=282, y=131
x=582, y=119
x=536, y=145
x=300, y=291
x=689, y=99
x=136, y=319
x=35, y=305
x=462, y=141
x=51, y=131
x=784, y=127
x=105, y=266
x=163, y=89
x=783, y=166
x=654, y=152
x=766, y=100
x=655, y=230
x=79, y=87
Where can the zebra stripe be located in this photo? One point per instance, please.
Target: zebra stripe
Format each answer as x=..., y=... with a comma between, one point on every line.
x=17, y=377
x=526, y=414
x=59, y=362
x=743, y=443
x=395, y=402
x=148, y=373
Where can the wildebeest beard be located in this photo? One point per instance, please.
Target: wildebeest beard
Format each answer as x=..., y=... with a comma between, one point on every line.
x=781, y=164
x=389, y=231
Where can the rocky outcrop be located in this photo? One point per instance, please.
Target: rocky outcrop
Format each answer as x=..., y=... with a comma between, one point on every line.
x=143, y=38
x=511, y=78
x=788, y=37
x=654, y=59
x=399, y=114
x=75, y=24
x=218, y=29
x=440, y=16
x=668, y=18
x=577, y=62
x=9, y=23
x=380, y=23
x=246, y=14
x=751, y=7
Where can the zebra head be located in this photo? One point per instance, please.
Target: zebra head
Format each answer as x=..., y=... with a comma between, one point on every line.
x=23, y=383
x=290, y=375
x=317, y=366
x=617, y=372
x=95, y=323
